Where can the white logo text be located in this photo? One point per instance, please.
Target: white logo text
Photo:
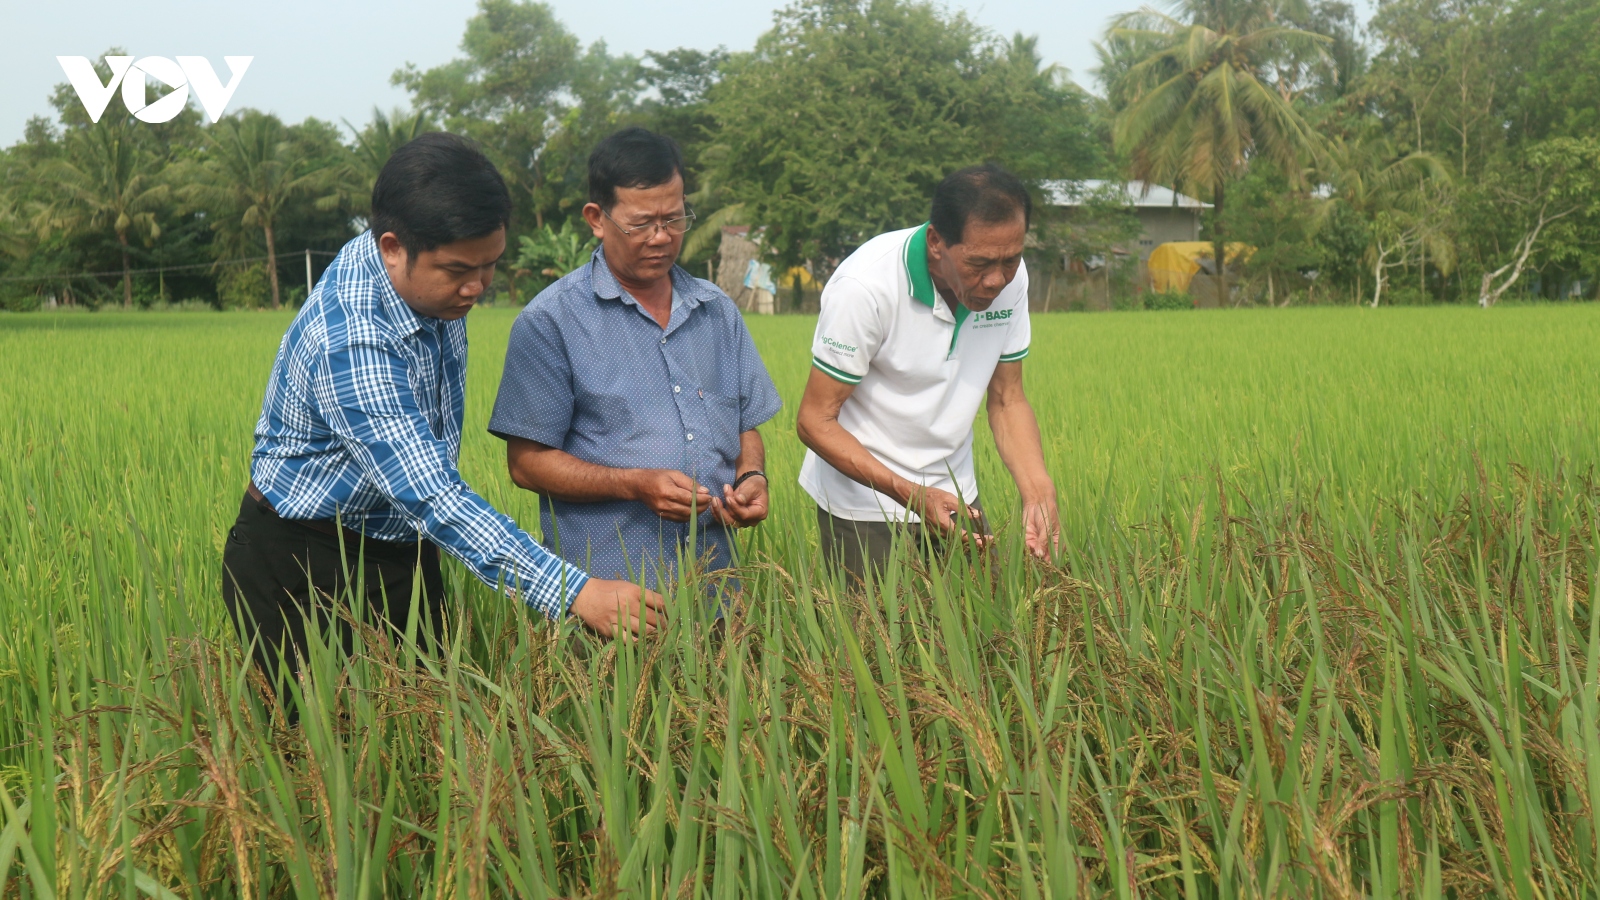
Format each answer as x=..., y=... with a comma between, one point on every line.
x=188, y=72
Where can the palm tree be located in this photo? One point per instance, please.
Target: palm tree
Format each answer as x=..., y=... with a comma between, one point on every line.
x=1194, y=104
x=1398, y=194
x=105, y=179
x=13, y=231
x=386, y=134
x=254, y=169
x=352, y=185
x=707, y=233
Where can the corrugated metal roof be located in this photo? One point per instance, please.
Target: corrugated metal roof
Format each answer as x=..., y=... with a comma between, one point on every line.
x=1138, y=194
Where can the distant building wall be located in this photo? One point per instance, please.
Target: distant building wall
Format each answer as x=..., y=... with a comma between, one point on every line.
x=1059, y=284
x=1164, y=225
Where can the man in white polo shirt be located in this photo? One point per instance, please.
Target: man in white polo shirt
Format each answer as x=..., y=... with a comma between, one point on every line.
x=918, y=326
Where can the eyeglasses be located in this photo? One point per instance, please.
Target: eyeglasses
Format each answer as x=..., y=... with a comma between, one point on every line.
x=645, y=232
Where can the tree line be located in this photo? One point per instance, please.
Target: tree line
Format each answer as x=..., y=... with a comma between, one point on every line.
x=1444, y=151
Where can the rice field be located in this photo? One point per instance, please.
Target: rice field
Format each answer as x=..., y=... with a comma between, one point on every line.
x=1323, y=624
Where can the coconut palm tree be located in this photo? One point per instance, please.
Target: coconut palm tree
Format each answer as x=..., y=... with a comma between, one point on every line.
x=1194, y=103
x=13, y=226
x=351, y=185
x=105, y=179
x=253, y=169
x=1398, y=194
x=384, y=135
x=712, y=195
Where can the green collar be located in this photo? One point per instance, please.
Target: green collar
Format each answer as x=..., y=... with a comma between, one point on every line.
x=922, y=282
x=917, y=267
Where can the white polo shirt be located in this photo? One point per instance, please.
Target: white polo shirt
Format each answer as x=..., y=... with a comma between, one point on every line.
x=920, y=369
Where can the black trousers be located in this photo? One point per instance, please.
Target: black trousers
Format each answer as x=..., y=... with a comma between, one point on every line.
x=278, y=575
x=856, y=545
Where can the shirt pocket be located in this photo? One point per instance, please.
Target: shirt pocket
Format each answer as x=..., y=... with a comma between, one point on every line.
x=722, y=421
x=722, y=414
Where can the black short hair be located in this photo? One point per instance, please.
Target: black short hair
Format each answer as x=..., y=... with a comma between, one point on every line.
x=631, y=158
x=437, y=189
x=987, y=192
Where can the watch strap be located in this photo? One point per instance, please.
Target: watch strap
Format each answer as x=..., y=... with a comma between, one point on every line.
x=749, y=475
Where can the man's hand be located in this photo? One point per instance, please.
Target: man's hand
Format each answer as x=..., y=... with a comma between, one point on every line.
x=1043, y=527
x=669, y=494
x=610, y=607
x=743, y=507
x=942, y=510
x=1016, y=436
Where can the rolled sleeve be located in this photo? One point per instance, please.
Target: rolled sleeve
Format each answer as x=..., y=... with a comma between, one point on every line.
x=1020, y=333
x=849, y=331
x=364, y=393
x=758, y=397
x=535, y=401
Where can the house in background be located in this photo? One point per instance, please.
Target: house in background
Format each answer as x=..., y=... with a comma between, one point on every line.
x=741, y=269
x=1165, y=214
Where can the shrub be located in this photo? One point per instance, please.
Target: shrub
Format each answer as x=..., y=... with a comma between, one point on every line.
x=1171, y=299
x=19, y=297
x=1127, y=302
x=243, y=287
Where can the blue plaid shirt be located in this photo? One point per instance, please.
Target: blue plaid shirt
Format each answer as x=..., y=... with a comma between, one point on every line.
x=362, y=420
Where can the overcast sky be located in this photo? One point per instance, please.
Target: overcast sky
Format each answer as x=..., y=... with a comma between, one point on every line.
x=333, y=59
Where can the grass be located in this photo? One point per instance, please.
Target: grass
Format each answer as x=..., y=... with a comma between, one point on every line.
x=1323, y=624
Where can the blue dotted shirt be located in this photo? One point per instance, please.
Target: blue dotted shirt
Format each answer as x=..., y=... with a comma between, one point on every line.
x=589, y=371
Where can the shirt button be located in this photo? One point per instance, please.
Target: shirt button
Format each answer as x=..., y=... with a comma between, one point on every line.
x=663, y=340
x=691, y=436
x=676, y=389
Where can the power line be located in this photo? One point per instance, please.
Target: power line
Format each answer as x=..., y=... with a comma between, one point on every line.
x=65, y=276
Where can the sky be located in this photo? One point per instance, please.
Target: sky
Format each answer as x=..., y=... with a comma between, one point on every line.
x=332, y=59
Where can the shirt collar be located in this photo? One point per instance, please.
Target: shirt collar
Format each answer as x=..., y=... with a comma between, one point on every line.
x=690, y=289
x=916, y=260
x=401, y=315
x=921, y=280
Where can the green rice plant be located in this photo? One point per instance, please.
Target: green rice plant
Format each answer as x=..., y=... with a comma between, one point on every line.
x=1323, y=623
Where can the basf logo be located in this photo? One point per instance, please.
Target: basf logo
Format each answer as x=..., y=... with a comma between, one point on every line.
x=187, y=72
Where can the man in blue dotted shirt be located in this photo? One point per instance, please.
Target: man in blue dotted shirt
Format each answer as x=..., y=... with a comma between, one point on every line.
x=632, y=390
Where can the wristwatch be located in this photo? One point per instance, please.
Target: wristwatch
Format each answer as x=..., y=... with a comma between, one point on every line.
x=749, y=475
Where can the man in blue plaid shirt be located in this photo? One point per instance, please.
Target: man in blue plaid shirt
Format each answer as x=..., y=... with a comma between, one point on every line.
x=360, y=432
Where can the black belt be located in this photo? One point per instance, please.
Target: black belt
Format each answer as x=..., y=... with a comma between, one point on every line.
x=325, y=526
